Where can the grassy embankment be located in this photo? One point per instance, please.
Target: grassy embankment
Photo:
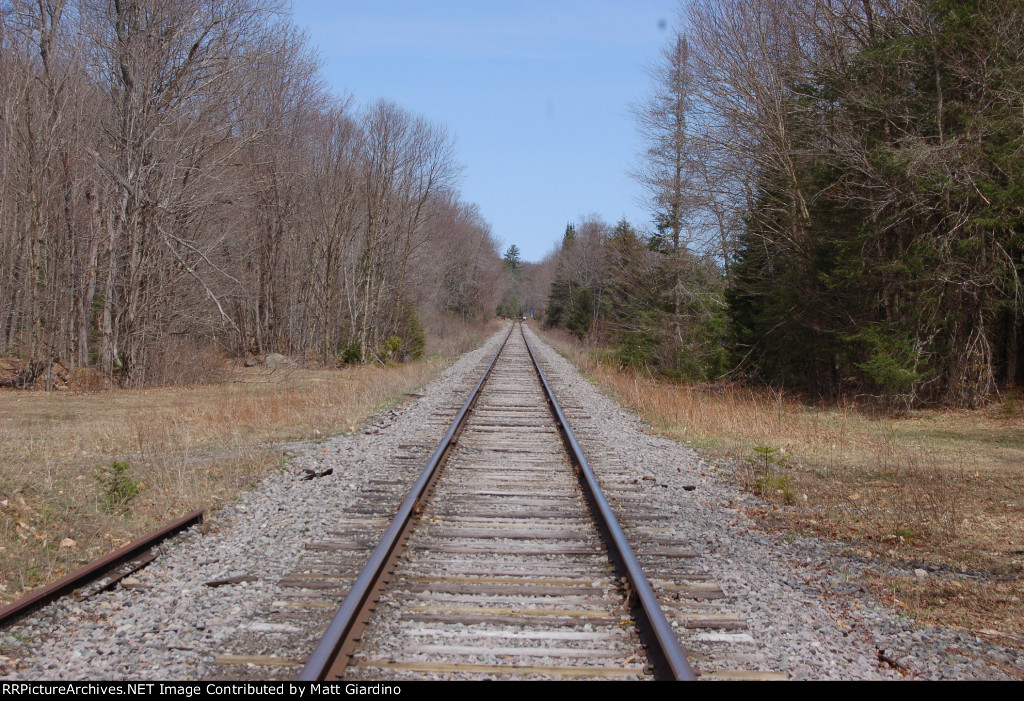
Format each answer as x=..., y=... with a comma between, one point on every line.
x=84, y=472
x=938, y=490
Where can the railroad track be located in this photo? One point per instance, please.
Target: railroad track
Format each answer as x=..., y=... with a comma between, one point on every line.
x=508, y=562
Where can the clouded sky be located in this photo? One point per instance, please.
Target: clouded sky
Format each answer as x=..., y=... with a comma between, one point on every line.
x=537, y=95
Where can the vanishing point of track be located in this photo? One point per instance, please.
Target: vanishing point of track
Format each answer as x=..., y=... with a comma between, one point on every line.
x=504, y=560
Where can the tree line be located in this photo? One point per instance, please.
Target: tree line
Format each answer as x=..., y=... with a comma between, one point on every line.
x=837, y=197
x=176, y=178
x=660, y=308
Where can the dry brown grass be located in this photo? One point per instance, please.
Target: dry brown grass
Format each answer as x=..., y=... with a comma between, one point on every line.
x=187, y=447
x=939, y=490
x=447, y=335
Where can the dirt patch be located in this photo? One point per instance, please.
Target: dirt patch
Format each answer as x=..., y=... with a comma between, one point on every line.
x=9, y=367
x=16, y=374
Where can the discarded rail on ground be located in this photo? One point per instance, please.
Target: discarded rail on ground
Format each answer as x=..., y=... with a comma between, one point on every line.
x=136, y=553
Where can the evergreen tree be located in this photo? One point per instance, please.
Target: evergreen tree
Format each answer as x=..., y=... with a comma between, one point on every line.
x=900, y=274
x=512, y=259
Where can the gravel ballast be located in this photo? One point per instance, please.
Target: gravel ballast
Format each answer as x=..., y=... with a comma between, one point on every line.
x=805, y=616
x=169, y=624
x=805, y=613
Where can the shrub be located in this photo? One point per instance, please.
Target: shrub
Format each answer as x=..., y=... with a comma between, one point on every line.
x=634, y=349
x=893, y=362
x=770, y=478
x=351, y=354
x=117, y=484
x=391, y=347
x=414, y=337
x=173, y=361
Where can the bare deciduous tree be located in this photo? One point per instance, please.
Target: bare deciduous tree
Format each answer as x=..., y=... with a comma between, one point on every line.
x=175, y=175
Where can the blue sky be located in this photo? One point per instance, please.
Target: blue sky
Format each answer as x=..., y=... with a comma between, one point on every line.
x=537, y=95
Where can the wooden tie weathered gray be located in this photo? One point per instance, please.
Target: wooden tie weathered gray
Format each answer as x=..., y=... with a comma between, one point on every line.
x=505, y=568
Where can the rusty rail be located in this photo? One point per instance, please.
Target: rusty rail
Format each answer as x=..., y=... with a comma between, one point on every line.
x=664, y=652
x=330, y=657
x=50, y=592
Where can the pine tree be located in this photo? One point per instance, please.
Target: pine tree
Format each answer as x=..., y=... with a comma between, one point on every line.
x=512, y=259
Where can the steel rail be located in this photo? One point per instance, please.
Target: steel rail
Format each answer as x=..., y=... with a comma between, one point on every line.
x=47, y=593
x=664, y=652
x=331, y=652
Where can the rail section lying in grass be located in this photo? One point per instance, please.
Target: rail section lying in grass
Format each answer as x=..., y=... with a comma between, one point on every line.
x=134, y=551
